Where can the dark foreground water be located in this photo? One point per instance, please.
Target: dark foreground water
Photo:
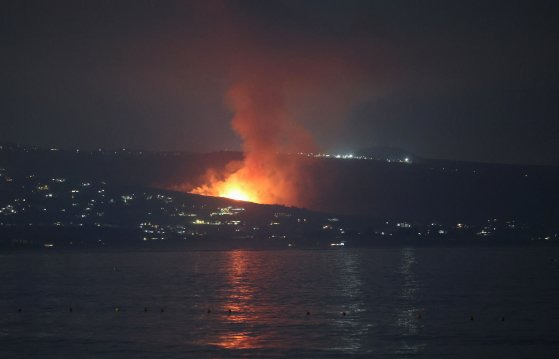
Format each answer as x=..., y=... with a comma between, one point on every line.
x=407, y=302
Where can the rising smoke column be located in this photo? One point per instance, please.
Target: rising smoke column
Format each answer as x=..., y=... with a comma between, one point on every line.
x=275, y=77
x=268, y=132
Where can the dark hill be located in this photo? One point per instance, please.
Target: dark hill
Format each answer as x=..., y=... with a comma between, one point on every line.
x=443, y=190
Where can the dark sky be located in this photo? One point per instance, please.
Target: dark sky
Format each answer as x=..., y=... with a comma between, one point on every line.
x=475, y=80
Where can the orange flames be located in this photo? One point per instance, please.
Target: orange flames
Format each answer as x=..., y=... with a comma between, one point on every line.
x=271, y=181
x=230, y=188
x=235, y=192
x=316, y=79
x=267, y=130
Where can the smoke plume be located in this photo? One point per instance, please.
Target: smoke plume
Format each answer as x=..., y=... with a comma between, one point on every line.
x=269, y=83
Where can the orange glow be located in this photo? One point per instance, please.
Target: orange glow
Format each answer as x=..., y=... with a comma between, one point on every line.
x=267, y=130
x=237, y=193
x=232, y=188
x=247, y=184
x=240, y=300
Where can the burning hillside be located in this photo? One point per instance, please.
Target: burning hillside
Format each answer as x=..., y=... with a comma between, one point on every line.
x=267, y=130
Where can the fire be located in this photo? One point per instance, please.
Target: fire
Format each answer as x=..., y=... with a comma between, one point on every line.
x=233, y=187
x=265, y=184
x=265, y=175
x=236, y=193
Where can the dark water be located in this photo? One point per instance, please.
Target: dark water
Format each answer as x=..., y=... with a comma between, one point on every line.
x=399, y=302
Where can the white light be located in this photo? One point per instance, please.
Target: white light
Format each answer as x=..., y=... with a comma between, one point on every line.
x=337, y=244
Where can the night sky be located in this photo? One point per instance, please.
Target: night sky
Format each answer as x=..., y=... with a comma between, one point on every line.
x=468, y=80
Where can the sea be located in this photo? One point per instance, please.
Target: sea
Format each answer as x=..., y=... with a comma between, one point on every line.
x=404, y=301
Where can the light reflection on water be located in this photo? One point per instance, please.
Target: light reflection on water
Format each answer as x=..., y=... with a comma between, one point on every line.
x=350, y=285
x=238, y=298
x=409, y=316
x=246, y=283
x=381, y=290
x=260, y=310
